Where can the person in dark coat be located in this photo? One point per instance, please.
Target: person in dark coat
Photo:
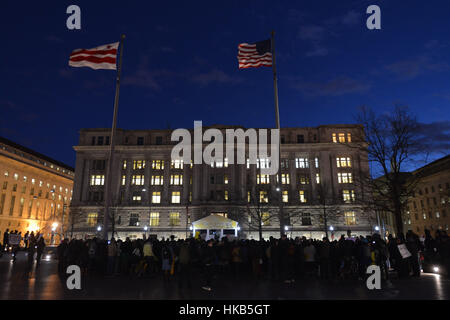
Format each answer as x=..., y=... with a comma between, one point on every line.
x=208, y=259
x=39, y=250
x=413, y=245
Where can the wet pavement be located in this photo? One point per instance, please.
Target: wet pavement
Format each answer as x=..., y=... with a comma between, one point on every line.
x=45, y=284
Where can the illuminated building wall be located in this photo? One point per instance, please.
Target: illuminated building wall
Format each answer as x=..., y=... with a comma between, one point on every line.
x=35, y=190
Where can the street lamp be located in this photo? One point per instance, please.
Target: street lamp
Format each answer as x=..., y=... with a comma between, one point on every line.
x=331, y=228
x=377, y=228
x=99, y=228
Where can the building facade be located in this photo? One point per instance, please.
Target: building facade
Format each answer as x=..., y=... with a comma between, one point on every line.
x=153, y=195
x=35, y=190
x=429, y=208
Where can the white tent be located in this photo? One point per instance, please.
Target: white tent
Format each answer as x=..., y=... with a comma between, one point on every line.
x=215, y=222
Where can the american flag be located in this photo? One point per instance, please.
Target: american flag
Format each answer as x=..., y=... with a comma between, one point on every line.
x=102, y=57
x=255, y=55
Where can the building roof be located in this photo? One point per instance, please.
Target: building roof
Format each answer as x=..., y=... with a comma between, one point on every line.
x=34, y=153
x=215, y=221
x=434, y=167
x=223, y=126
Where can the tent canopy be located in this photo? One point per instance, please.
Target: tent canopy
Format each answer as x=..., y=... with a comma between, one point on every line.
x=215, y=221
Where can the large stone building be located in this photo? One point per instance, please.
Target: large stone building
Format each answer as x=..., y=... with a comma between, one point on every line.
x=35, y=190
x=429, y=206
x=155, y=195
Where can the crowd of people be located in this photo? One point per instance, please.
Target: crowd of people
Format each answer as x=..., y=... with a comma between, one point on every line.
x=33, y=244
x=283, y=259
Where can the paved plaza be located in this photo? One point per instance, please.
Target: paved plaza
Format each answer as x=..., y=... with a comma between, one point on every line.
x=45, y=284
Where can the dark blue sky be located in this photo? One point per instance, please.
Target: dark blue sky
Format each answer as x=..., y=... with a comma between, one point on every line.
x=180, y=65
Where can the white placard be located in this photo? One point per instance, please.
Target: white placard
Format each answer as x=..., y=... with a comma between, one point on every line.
x=404, y=251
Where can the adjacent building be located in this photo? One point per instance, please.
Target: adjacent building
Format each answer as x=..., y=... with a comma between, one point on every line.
x=429, y=208
x=35, y=190
x=153, y=195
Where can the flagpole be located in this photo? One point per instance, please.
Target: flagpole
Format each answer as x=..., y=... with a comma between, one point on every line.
x=277, y=120
x=108, y=181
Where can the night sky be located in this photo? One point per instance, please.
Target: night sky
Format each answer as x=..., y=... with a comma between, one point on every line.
x=180, y=65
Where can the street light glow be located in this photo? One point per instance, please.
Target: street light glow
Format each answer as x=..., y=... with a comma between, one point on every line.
x=377, y=228
x=145, y=228
x=286, y=228
x=331, y=228
x=99, y=228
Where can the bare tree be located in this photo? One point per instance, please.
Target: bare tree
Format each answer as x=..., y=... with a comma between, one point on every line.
x=256, y=209
x=393, y=147
x=328, y=204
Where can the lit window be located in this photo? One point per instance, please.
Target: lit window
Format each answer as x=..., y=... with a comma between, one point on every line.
x=262, y=163
x=350, y=218
x=225, y=179
x=302, y=196
x=304, y=179
x=16, y=176
x=334, y=138
x=6, y=174
x=124, y=164
x=318, y=178
x=285, y=196
x=154, y=219
x=225, y=163
x=33, y=181
x=438, y=215
x=156, y=197
x=249, y=198
x=137, y=198
x=316, y=162
x=92, y=219
x=348, y=195
x=349, y=137
x=176, y=196
x=158, y=164
x=225, y=196
x=248, y=163
x=176, y=164
x=262, y=179
x=137, y=180
x=157, y=180
x=124, y=178
x=263, y=197
x=219, y=164
x=24, y=179
x=176, y=179
x=174, y=219
x=96, y=180
x=345, y=177
x=343, y=162
x=284, y=178
x=265, y=219
x=301, y=163
x=138, y=164
x=341, y=137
